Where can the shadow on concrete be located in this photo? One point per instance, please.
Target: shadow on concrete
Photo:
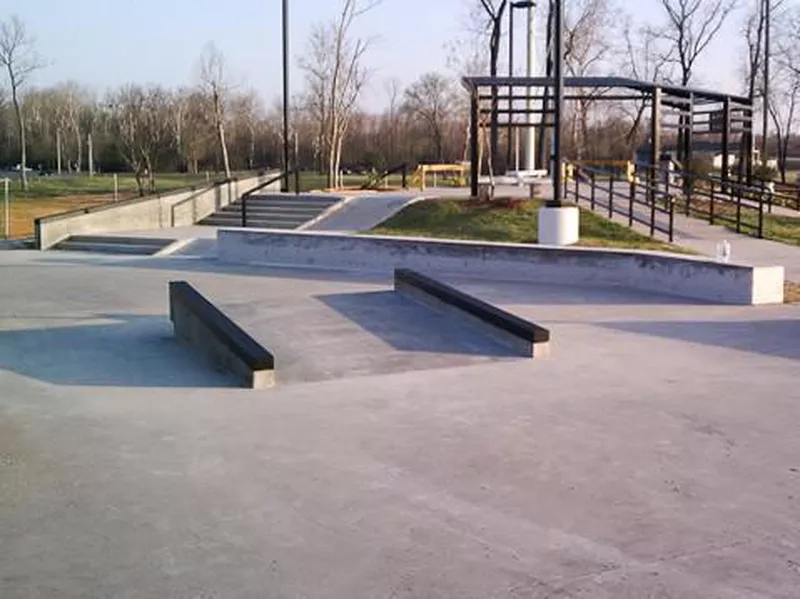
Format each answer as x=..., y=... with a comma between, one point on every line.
x=779, y=338
x=408, y=326
x=134, y=351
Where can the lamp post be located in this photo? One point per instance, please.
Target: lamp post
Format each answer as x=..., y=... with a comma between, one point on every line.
x=558, y=108
x=530, y=133
x=559, y=224
x=765, y=107
x=285, y=38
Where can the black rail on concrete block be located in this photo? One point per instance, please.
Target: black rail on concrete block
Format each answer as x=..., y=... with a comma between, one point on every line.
x=203, y=325
x=521, y=334
x=374, y=181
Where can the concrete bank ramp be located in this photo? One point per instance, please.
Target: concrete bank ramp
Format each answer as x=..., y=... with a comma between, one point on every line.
x=344, y=335
x=362, y=213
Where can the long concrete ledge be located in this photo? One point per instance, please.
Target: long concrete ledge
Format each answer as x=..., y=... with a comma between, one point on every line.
x=176, y=209
x=201, y=324
x=511, y=330
x=659, y=272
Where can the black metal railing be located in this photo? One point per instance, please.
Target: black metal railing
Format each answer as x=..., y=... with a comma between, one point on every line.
x=635, y=200
x=280, y=177
x=786, y=195
x=740, y=206
x=384, y=176
x=193, y=198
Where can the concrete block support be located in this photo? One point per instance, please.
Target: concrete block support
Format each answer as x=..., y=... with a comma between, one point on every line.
x=525, y=337
x=658, y=272
x=559, y=226
x=201, y=325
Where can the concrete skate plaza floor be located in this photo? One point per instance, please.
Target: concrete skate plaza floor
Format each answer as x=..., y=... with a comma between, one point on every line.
x=654, y=454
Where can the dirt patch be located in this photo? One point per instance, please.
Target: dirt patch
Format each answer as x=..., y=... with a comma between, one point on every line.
x=25, y=211
x=791, y=292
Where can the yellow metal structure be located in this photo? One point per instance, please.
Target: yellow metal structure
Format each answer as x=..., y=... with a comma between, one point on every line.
x=626, y=166
x=457, y=171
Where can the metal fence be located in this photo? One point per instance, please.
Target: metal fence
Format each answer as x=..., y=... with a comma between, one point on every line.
x=634, y=200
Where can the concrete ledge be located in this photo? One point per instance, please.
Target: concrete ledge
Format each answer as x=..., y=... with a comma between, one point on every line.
x=162, y=211
x=685, y=276
x=523, y=336
x=201, y=324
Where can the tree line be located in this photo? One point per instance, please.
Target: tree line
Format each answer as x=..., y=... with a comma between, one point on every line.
x=215, y=123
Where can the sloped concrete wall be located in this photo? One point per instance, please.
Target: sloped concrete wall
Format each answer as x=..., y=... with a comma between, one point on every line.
x=158, y=212
x=688, y=276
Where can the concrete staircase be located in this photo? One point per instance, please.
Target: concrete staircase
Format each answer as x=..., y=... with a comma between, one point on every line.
x=138, y=246
x=283, y=211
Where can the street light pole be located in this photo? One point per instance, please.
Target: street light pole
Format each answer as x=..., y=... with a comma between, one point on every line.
x=765, y=108
x=285, y=37
x=510, y=74
x=558, y=107
x=530, y=133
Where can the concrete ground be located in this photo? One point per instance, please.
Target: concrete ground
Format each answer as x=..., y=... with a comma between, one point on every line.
x=654, y=454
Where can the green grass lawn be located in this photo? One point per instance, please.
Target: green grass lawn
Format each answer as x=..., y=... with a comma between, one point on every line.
x=784, y=229
x=517, y=223
x=101, y=184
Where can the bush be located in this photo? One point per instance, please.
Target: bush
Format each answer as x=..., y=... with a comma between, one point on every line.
x=700, y=167
x=765, y=173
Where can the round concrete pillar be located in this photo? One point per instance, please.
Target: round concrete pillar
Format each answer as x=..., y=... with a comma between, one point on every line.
x=559, y=225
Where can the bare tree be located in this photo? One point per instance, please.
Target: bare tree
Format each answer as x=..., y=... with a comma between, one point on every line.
x=587, y=42
x=335, y=75
x=784, y=93
x=494, y=12
x=246, y=112
x=643, y=61
x=19, y=58
x=430, y=99
x=392, y=88
x=690, y=26
x=214, y=81
x=142, y=128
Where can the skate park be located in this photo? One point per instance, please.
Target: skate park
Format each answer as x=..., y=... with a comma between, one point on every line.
x=247, y=390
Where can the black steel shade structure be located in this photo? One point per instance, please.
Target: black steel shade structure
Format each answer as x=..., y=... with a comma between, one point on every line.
x=695, y=112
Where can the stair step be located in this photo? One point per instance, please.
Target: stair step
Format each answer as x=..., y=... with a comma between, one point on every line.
x=275, y=209
x=271, y=212
x=287, y=203
x=132, y=241
x=108, y=248
x=257, y=223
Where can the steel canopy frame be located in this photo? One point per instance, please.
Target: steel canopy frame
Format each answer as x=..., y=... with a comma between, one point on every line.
x=685, y=100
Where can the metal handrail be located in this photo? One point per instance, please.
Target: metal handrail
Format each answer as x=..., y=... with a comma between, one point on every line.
x=634, y=188
x=732, y=193
x=198, y=193
x=280, y=177
x=399, y=168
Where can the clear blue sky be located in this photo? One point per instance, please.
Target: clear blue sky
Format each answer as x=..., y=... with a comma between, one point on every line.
x=103, y=44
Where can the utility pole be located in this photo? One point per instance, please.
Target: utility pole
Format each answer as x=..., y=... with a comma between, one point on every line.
x=765, y=104
x=285, y=37
x=530, y=130
x=558, y=104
